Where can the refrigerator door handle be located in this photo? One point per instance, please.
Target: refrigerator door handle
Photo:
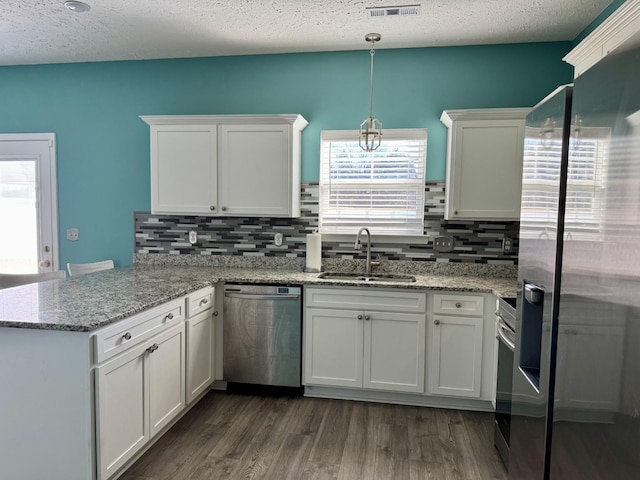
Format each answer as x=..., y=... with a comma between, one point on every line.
x=533, y=294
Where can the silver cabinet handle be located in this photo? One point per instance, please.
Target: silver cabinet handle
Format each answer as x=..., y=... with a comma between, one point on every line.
x=215, y=314
x=126, y=336
x=436, y=322
x=458, y=305
x=359, y=317
x=367, y=317
x=169, y=317
x=153, y=348
x=212, y=208
x=204, y=301
x=224, y=209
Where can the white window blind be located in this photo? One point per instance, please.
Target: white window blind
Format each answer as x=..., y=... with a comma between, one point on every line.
x=381, y=190
x=585, y=182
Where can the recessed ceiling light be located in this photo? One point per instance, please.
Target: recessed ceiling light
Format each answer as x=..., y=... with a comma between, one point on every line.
x=77, y=7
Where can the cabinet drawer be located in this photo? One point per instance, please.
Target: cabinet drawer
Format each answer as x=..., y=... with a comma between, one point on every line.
x=199, y=301
x=458, y=304
x=380, y=300
x=127, y=333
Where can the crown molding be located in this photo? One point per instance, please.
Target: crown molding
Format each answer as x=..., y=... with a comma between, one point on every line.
x=621, y=25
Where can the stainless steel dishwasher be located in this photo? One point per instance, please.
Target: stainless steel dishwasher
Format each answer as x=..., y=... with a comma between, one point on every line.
x=262, y=335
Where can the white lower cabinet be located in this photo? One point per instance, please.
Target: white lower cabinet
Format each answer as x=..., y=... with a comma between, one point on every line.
x=456, y=356
x=137, y=394
x=200, y=341
x=364, y=348
x=461, y=348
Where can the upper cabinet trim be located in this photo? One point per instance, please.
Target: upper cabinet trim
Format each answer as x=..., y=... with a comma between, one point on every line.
x=449, y=116
x=296, y=120
x=623, y=24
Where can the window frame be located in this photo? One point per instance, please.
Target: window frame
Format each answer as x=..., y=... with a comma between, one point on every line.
x=409, y=134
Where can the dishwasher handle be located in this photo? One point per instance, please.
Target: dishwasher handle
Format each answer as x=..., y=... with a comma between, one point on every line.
x=254, y=296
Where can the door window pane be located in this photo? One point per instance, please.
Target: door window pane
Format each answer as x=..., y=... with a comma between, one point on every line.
x=18, y=217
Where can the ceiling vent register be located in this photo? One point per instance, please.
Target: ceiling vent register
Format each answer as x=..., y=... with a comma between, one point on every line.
x=375, y=12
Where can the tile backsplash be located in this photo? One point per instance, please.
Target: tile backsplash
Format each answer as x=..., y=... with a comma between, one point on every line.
x=475, y=242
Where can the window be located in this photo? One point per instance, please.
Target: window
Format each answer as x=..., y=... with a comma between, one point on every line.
x=585, y=183
x=382, y=190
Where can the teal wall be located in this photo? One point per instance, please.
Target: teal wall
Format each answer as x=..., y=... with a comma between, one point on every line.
x=103, y=147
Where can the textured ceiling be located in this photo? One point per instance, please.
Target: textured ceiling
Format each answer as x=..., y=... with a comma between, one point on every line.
x=43, y=31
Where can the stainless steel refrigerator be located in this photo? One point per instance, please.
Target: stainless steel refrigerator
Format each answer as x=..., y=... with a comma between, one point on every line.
x=576, y=374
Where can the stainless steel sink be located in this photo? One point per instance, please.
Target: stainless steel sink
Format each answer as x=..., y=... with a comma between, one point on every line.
x=362, y=277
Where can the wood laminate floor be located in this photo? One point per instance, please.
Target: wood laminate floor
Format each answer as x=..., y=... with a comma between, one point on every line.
x=233, y=436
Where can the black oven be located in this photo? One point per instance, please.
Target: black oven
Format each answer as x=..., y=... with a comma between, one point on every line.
x=506, y=345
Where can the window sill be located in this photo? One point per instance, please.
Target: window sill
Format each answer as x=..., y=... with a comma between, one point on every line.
x=378, y=239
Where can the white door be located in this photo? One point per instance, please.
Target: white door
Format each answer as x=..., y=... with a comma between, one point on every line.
x=200, y=361
x=456, y=356
x=333, y=347
x=166, y=357
x=121, y=411
x=255, y=170
x=394, y=349
x=28, y=203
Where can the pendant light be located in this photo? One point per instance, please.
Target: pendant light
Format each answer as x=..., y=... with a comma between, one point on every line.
x=371, y=129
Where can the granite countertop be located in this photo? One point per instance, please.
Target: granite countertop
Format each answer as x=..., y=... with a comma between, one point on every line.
x=88, y=302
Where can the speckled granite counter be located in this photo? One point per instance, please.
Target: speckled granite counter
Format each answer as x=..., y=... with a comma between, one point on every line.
x=91, y=301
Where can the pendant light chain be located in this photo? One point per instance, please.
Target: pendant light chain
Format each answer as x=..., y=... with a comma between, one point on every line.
x=372, y=52
x=370, y=131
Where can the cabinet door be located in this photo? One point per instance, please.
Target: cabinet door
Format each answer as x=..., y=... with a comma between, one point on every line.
x=394, y=348
x=184, y=169
x=255, y=170
x=199, y=354
x=166, y=377
x=455, y=362
x=121, y=421
x=484, y=178
x=333, y=347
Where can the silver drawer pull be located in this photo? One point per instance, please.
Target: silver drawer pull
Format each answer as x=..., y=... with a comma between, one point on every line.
x=126, y=336
x=359, y=317
x=436, y=322
x=215, y=314
x=153, y=348
x=458, y=305
x=367, y=317
x=204, y=301
x=169, y=317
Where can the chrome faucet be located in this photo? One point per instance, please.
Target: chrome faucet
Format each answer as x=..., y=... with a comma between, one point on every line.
x=358, y=246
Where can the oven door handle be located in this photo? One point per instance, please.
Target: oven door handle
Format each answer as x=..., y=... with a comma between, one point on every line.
x=504, y=338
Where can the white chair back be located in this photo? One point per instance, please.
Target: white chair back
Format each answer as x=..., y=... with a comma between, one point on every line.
x=82, y=268
x=14, y=279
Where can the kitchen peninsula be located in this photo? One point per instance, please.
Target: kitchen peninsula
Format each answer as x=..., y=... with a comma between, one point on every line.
x=51, y=366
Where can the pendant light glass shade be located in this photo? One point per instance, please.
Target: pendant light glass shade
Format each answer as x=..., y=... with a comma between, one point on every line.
x=371, y=128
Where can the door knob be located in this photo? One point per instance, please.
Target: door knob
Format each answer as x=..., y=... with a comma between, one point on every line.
x=436, y=322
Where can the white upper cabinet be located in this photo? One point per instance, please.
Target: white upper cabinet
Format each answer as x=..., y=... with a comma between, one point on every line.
x=226, y=165
x=484, y=163
x=617, y=31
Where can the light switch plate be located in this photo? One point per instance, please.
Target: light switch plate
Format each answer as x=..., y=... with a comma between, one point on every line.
x=73, y=235
x=443, y=244
x=193, y=237
x=277, y=239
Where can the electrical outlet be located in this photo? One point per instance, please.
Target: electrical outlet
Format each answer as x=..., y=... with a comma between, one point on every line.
x=277, y=239
x=443, y=244
x=73, y=235
x=507, y=245
x=193, y=237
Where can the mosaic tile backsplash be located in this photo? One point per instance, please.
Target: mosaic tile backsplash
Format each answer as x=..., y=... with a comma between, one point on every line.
x=475, y=242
